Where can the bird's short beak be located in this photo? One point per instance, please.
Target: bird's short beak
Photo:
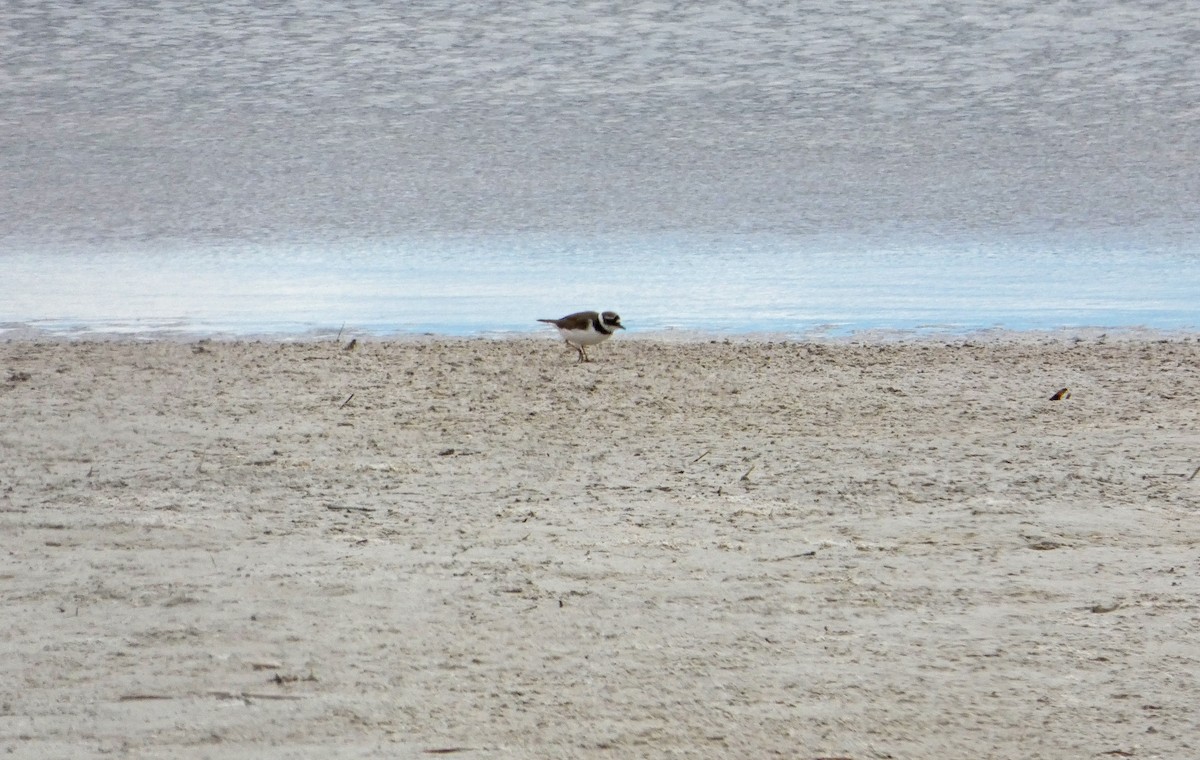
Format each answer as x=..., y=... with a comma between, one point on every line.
x=621, y=326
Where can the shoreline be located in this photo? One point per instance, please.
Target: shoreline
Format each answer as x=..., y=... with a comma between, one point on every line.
x=702, y=548
x=23, y=332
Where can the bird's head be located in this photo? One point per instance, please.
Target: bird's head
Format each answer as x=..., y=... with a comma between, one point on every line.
x=612, y=320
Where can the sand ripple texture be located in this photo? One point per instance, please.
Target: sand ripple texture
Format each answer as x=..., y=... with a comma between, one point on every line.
x=480, y=548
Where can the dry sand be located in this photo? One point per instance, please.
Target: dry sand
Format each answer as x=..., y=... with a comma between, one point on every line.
x=684, y=549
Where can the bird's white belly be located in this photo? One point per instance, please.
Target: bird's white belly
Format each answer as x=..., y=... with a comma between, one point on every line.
x=583, y=337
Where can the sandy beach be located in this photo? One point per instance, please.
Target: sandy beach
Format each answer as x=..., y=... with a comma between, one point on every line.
x=479, y=548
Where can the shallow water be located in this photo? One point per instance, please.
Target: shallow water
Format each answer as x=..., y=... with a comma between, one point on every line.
x=733, y=284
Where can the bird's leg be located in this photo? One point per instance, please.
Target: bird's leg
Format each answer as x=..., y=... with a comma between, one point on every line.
x=583, y=357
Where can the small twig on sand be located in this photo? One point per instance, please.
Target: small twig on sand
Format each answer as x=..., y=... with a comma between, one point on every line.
x=697, y=459
x=252, y=695
x=340, y=508
x=347, y=401
x=338, y=339
x=1194, y=473
x=139, y=697
x=801, y=555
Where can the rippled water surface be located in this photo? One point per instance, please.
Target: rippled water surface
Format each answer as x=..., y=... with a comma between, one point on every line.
x=728, y=165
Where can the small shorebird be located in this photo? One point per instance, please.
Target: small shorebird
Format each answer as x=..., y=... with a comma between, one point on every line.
x=586, y=328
